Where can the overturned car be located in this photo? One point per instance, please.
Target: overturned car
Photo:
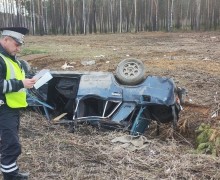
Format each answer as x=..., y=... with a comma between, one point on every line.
x=127, y=100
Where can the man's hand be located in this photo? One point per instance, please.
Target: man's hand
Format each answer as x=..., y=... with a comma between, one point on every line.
x=29, y=83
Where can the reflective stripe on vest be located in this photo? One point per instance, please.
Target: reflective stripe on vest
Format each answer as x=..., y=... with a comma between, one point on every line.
x=14, y=99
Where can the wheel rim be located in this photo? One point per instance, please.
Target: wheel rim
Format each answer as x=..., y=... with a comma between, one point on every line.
x=131, y=69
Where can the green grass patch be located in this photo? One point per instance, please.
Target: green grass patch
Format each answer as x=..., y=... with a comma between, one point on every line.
x=25, y=52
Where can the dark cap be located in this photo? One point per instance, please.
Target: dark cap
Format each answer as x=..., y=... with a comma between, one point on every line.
x=17, y=33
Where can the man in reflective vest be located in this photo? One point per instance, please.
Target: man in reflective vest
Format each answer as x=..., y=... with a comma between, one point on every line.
x=12, y=98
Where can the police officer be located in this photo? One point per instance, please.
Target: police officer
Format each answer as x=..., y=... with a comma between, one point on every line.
x=12, y=98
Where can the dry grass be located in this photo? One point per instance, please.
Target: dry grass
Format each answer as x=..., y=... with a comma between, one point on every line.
x=50, y=153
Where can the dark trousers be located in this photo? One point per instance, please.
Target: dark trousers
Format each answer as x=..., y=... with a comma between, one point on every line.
x=10, y=147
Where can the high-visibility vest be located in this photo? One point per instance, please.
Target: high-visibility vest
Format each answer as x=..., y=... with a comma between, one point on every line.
x=14, y=99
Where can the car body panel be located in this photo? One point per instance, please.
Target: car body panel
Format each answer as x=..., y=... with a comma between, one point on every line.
x=96, y=96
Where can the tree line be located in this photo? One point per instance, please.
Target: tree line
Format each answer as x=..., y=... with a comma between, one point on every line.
x=110, y=16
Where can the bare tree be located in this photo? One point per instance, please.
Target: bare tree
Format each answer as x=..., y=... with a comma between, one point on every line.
x=68, y=20
x=135, y=15
x=82, y=16
x=120, y=23
x=198, y=4
x=156, y=14
x=33, y=21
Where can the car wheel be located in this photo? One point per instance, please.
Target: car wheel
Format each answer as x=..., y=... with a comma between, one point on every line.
x=130, y=71
x=26, y=66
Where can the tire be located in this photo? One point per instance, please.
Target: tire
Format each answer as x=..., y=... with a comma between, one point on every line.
x=130, y=72
x=26, y=66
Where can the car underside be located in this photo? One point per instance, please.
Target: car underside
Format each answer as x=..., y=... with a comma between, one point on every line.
x=122, y=101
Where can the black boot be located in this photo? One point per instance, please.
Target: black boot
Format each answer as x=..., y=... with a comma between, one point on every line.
x=7, y=176
x=17, y=176
x=21, y=176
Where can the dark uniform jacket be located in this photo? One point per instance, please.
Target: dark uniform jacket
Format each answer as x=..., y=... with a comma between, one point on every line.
x=9, y=117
